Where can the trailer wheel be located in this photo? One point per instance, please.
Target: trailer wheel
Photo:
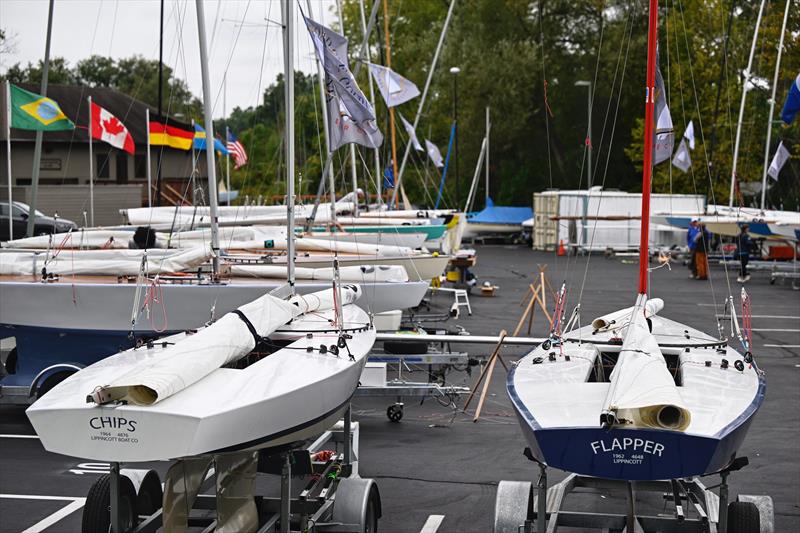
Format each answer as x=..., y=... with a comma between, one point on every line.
x=149, y=496
x=357, y=503
x=97, y=510
x=513, y=506
x=52, y=381
x=743, y=517
x=395, y=412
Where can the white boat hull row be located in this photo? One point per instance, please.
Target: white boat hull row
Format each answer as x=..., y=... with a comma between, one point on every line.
x=559, y=400
x=107, y=307
x=288, y=396
x=723, y=220
x=478, y=229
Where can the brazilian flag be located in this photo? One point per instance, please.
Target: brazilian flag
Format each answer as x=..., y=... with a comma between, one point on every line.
x=31, y=111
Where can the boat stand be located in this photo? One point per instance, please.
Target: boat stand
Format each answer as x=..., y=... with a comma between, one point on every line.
x=522, y=507
x=334, y=500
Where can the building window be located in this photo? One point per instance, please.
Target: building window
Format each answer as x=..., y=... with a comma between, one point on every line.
x=140, y=166
x=101, y=166
x=122, y=168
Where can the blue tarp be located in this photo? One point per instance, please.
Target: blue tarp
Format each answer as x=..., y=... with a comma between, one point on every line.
x=493, y=214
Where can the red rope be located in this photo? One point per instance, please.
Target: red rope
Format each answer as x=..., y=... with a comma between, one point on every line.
x=546, y=103
x=155, y=294
x=746, y=320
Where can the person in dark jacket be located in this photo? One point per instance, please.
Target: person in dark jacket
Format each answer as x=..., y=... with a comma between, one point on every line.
x=691, y=242
x=743, y=245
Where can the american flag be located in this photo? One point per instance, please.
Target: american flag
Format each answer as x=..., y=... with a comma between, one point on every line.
x=237, y=150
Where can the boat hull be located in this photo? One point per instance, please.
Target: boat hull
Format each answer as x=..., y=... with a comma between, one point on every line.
x=631, y=454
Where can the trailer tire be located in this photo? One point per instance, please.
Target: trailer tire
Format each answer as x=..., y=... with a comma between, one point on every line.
x=51, y=382
x=358, y=502
x=97, y=509
x=150, y=495
x=513, y=505
x=743, y=517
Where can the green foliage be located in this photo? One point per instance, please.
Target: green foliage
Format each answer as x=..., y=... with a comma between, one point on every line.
x=134, y=76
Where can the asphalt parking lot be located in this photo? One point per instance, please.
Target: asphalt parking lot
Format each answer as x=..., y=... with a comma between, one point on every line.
x=437, y=462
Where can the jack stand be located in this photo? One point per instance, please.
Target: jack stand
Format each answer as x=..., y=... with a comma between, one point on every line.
x=541, y=501
x=723, y=502
x=348, y=442
x=286, y=494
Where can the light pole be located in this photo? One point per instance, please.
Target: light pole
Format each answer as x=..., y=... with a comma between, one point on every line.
x=454, y=71
x=588, y=85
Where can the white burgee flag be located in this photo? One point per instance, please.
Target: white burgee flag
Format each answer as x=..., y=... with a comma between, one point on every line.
x=351, y=118
x=411, y=134
x=394, y=88
x=682, y=160
x=434, y=154
x=780, y=158
x=689, y=134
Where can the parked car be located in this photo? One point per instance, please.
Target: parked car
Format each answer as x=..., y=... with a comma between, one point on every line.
x=43, y=224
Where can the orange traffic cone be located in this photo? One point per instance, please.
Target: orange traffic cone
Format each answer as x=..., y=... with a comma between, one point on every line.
x=561, y=250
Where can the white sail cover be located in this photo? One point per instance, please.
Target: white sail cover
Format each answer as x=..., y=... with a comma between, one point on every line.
x=643, y=393
x=31, y=264
x=305, y=244
x=188, y=361
x=90, y=239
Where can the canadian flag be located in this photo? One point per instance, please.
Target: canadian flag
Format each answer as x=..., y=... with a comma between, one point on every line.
x=108, y=128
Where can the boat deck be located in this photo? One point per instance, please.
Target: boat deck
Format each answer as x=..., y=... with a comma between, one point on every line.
x=429, y=465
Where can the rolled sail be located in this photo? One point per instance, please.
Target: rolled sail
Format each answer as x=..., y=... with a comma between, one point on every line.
x=643, y=393
x=231, y=337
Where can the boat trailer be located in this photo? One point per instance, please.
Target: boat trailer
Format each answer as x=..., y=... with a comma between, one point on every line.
x=334, y=498
x=521, y=507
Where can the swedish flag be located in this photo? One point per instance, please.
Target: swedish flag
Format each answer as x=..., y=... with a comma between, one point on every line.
x=31, y=111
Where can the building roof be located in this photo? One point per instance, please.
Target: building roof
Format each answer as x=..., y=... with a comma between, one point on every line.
x=73, y=102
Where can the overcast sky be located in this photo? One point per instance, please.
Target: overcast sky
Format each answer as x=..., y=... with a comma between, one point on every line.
x=121, y=28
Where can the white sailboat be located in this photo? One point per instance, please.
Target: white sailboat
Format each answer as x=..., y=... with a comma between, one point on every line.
x=675, y=402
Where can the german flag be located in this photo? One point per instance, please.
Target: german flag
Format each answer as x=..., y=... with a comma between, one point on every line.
x=165, y=131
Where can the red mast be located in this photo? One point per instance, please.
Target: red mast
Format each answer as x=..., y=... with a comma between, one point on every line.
x=649, y=125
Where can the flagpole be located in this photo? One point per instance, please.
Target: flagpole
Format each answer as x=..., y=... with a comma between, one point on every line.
x=399, y=178
x=149, y=171
x=8, y=151
x=376, y=151
x=772, y=105
x=387, y=42
x=747, y=76
x=209, y=118
x=37, y=150
x=488, y=129
x=91, y=167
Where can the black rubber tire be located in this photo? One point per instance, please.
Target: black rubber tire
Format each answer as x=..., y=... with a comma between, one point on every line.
x=743, y=517
x=373, y=512
x=410, y=347
x=51, y=382
x=97, y=510
x=150, y=496
x=394, y=412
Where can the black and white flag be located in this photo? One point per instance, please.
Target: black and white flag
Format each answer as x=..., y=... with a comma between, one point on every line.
x=394, y=88
x=665, y=136
x=351, y=117
x=780, y=158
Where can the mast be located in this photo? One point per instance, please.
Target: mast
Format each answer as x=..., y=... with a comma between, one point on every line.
x=772, y=105
x=160, y=94
x=209, y=119
x=353, y=173
x=91, y=166
x=387, y=42
x=747, y=75
x=399, y=178
x=376, y=152
x=37, y=150
x=488, y=129
x=8, y=160
x=227, y=133
x=288, y=59
x=149, y=165
x=647, y=171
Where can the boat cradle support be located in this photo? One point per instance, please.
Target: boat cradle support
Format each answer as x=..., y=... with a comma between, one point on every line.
x=335, y=500
x=521, y=506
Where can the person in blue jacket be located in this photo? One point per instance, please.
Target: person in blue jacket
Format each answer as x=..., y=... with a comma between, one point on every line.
x=692, y=238
x=743, y=245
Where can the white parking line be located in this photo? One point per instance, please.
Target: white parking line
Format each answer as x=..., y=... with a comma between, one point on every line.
x=782, y=346
x=779, y=330
x=74, y=505
x=19, y=436
x=787, y=317
x=432, y=523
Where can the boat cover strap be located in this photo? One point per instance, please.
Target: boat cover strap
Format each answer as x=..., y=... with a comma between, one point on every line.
x=256, y=337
